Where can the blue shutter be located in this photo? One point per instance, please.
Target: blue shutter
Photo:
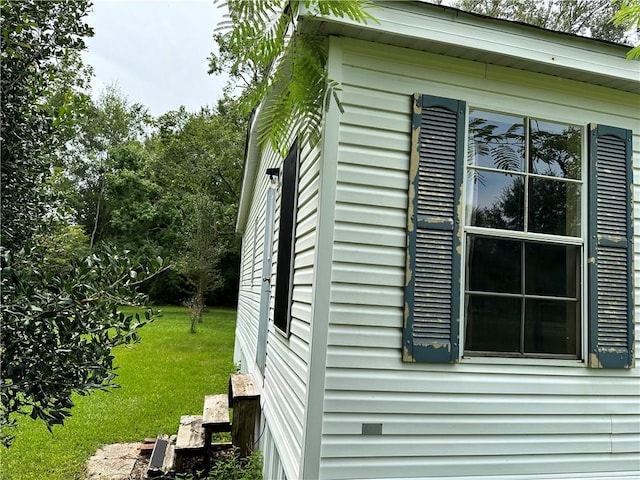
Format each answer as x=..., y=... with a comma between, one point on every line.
x=610, y=248
x=432, y=292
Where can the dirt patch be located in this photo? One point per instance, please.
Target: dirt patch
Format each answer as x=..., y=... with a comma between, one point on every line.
x=139, y=471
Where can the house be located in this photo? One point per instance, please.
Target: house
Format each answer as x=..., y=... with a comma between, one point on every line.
x=443, y=286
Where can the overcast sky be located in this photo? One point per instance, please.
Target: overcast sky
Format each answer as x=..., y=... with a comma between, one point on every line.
x=156, y=50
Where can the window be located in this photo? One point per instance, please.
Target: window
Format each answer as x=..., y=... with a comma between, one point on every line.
x=509, y=277
x=523, y=236
x=286, y=240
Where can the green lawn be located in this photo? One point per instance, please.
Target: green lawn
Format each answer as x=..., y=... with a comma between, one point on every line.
x=165, y=376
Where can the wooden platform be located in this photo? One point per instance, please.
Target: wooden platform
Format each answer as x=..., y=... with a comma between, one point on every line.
x=245, y=400
x=242, y=387
x=215, y=416
x=190, y=433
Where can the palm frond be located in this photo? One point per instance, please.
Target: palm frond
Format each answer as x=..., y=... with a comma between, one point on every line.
x=293, y=86
x=356, y=10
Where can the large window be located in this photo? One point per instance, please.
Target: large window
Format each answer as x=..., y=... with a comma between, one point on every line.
x=519, y=238
x=523, y=236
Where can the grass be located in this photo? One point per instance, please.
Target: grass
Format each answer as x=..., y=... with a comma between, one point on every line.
x=163, y=377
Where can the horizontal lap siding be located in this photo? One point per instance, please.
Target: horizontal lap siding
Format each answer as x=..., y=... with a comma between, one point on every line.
x=287, y=363
x=246, y=259
x=246, y=329
x=472, y=418
x=549, y=466
x=252, y=248
x=286, y=372
x=251, y=280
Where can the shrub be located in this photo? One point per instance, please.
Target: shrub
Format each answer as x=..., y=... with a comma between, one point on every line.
x=229, y=466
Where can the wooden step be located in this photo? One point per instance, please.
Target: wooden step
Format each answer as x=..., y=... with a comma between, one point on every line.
x=169, y=463
x=245, y=400
x=162, y=457
x=215, y=416
x=146, y=447
x=242, y=386
x=190, y=433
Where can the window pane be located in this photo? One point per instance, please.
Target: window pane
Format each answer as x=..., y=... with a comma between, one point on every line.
x=554, y=207
x=555, y=149
x=496, y=140
x=494, y=265
x=551, y=270
x=550, y=327
x=496, y=200
x=493, y=324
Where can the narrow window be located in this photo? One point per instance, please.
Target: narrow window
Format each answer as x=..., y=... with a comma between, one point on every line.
x=286, y=240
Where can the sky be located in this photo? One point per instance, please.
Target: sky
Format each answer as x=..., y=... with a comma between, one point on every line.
x=156, y=51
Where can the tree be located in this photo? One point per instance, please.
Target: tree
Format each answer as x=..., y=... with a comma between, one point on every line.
x=108, y=155
x=59, y=326
x=60, y=317
x=39, y=57
x=581, y=17
x=262, y=49
x=629, y=17
x=205, y=245
x=196, y=161
x=106, y=180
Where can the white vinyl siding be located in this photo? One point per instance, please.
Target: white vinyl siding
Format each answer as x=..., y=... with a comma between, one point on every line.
x=272, y=466
x=479, y=417
x=249, y=293
x=284, y=392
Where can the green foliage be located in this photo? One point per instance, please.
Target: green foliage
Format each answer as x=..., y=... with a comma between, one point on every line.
x=59, y=327
x=196, y=162
x=110, y=197
x=62, y=245
x=200, y=152
x=204, y=247
x=259, y=46
x=165, y=188
x=581, y=17
x=41, y=84
x=168, y=288
x=60, y=316
x=164, y=376
x=628, y=16
x=229, y=466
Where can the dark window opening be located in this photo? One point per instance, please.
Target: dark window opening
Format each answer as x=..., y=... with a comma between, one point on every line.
x=286, y=240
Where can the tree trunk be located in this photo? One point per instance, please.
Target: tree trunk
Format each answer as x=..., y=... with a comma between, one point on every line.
x=197, y=303
x=200, y=297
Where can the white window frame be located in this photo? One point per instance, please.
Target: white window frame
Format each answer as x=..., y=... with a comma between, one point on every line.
x=500, y=357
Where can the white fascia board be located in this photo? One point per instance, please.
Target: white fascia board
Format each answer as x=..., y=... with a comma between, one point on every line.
x=436, y=28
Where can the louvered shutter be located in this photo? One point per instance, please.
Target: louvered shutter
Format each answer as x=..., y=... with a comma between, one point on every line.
x=610, y=248
x=432, y=311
